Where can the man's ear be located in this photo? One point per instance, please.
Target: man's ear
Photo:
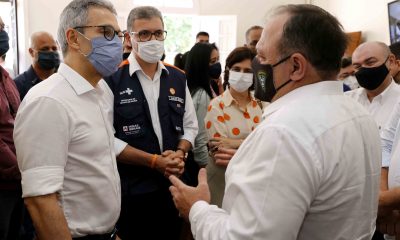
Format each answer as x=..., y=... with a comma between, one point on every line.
x=72, y=38
x=127, y=40
x=392, y=62
x=299, y=64
x=31, y=52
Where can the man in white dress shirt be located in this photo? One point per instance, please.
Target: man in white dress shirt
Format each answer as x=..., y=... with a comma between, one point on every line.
x=155, y=115
x=311, y=169
x=378, y=93
x=64, y=135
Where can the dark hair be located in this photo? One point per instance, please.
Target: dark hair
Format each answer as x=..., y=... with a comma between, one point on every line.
x=238, y=54
x=345, y=62
x=178, y=61
x=202, y=34
x=197, y=67
x=395, y=49
x=316, y=34
x=255, y=27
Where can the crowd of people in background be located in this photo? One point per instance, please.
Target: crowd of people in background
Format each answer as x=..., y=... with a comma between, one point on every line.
x=291, y=139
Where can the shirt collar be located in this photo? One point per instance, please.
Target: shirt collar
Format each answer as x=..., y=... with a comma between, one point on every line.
x=77, y=82
x=134, y=65
x=227, y=99
x=382, y=96
x=387, y=92
x=332, y=87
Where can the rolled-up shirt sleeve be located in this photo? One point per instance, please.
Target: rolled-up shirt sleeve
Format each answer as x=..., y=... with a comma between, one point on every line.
x=119, y=146
x=389, y=134
x=42, y=135
x=190, y=124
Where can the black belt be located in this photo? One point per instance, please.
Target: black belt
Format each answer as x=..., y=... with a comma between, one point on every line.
x=106, y=236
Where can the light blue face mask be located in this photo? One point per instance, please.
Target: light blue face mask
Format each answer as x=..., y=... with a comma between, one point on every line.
x=105, y=55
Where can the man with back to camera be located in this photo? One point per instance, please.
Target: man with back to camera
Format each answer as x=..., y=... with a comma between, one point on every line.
x=154, y=114
x=45, y=61
x=311, y=169
x=253, y=35
x=63, y=131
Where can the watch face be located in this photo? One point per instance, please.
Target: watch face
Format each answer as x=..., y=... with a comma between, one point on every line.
x=185, y=154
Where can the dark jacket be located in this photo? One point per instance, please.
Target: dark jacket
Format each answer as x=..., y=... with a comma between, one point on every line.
x=26, y=81
x=132, y=123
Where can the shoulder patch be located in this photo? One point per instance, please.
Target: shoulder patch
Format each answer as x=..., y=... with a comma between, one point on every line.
x=123, y=63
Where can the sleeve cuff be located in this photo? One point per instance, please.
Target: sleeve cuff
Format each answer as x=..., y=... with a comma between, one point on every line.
x=42, y=181
x=189, y=137
x=119, y=146
x=385, y=159
x=195, y=211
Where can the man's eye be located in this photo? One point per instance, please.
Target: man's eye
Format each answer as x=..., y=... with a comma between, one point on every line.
x=144, y=33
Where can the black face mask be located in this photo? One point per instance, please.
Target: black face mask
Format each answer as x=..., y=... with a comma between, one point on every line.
x=264, y=85
x=372, y=78
x=4, y=46
x=48, y=60
x=125, y=55
x=215, y=70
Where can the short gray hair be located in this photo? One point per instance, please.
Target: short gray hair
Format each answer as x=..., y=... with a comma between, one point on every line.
x=144, y=12
x=75, y=14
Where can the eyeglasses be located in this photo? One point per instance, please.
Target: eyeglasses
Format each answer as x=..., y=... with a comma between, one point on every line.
x=146, y=35
x=108, y=31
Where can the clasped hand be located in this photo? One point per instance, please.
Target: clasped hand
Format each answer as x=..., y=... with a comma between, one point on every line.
x=222, y=149
x=171, y=163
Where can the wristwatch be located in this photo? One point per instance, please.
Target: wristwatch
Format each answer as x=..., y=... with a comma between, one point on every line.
x=185, y=154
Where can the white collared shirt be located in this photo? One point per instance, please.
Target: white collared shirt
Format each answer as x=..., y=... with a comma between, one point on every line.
x=381, y=106
x=151, y=90
x=390, y=137
x=310, y=170
x=65, y=144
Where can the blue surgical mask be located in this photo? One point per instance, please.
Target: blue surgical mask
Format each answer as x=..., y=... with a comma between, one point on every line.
x=105, y=55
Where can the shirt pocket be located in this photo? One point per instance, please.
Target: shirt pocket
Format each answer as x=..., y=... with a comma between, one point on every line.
x=130, y=122
x=177, y=112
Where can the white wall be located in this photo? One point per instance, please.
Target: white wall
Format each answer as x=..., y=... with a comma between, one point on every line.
x=43, y=15
x=368, y=16
x=249, y=12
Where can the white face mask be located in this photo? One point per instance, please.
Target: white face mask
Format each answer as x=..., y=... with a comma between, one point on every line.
x=150, y=51
x=240, y=81
x=351, y=81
